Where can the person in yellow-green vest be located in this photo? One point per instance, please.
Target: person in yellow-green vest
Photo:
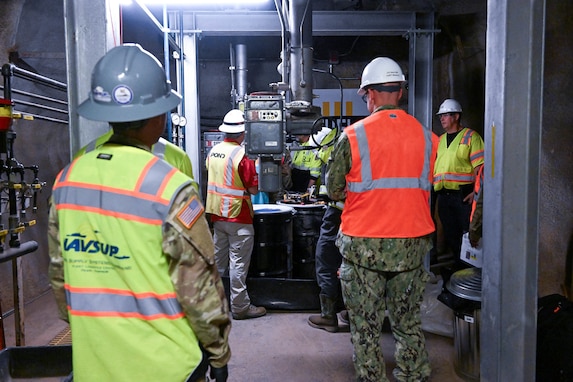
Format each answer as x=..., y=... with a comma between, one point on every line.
x=132, y=263
x=169, y=152
x=305, y=165
x=460, y=155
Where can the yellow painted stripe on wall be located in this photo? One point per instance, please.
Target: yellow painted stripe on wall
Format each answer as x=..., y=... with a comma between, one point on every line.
x=337, y=108
x=326, y=109
x=348, y=108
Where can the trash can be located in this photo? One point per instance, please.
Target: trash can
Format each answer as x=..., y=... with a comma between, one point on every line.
x=465, y=300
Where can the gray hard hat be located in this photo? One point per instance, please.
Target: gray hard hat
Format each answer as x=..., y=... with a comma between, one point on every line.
x=128, y=84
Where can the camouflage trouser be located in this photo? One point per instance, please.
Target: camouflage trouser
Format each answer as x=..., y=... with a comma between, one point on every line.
x=367, y=295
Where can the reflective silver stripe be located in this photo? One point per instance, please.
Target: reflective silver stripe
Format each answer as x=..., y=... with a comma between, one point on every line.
x=90, y=146
x=110, y=201
x=229, y=166
x=99, y=303
x=65, y=173
x=158, y=148
x=120, y=201
x=368, y=184
x=155, y=177
x=466, y=138
x=475, y=156
x=468, y=178
x=225, y=191
x=339, y=205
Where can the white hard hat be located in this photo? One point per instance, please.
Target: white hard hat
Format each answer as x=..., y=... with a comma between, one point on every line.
x=379, y=71
x=449, y=106
x=234, y=122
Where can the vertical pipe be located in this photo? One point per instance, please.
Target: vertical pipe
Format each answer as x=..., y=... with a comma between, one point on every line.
x=300, y=22
x=166, y=64
x=241, y=70
x=181, y=83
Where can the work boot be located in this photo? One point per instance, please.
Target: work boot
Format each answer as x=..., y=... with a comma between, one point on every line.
x=251, y=312
x=327, y=319
x=344, y=316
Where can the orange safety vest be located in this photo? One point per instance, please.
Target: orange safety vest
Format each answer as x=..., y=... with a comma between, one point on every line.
x=225, y=189
x=388, y=186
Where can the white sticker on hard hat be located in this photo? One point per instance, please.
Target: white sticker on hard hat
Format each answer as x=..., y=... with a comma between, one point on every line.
x=101, y=95
x=122, y=94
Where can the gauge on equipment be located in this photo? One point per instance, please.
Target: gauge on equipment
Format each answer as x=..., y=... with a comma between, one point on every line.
x=182, y=121
x=175, y=119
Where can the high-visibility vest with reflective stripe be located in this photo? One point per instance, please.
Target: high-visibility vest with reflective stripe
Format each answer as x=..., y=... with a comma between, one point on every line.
x=169, y=152
x=306, y=160
x=124, y=314
x=225, y=189
x=477, y=189
x=388, y=185
x=455, y=164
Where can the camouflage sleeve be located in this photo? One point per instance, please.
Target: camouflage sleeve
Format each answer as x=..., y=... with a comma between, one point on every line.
x=194, y=274
x=475, y=229
x=56, y=267
x=337, y=168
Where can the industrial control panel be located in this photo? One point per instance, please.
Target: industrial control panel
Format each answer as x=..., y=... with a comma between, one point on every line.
x=265, y=124
x=265, y=135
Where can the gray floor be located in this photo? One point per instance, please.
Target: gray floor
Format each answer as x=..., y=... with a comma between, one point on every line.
x=278, y=347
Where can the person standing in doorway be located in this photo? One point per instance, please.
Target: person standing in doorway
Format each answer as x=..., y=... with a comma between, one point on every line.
x=131, y=257
x=460, y=155
x=232, y=179
x=382, y=167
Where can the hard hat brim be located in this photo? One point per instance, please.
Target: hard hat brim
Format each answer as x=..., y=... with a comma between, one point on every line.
x=231, y=129
x=110, y=112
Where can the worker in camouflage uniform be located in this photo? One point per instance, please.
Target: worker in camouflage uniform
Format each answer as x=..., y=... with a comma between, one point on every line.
x=382, y=167
x=132, y=262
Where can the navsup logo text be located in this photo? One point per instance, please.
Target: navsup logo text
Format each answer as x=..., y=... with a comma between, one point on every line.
x=77, y=242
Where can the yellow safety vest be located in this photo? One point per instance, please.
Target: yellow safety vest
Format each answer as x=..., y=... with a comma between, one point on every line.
x=225, y=189
x=307, y=160
x=455, y=164
x=124, y=314
x=169, y=152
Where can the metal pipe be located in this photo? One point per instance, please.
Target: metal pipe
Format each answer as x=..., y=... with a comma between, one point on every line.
x=232, y=68
x=39, y=106
x=300, y=20
x=37, y=96
x=284, y=52
x=241, y=50
x=9, y=69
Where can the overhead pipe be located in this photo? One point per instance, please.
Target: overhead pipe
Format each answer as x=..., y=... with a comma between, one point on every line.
x=300, y=22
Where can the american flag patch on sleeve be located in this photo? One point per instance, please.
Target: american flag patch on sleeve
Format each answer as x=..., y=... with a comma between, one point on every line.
x=190, y=212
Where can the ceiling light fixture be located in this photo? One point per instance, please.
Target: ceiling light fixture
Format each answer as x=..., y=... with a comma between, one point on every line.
x=197, y=2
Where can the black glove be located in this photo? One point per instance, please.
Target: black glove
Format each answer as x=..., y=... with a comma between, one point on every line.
x=219, y=374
